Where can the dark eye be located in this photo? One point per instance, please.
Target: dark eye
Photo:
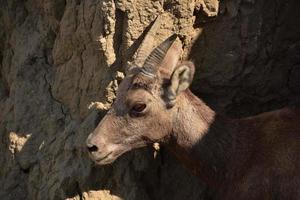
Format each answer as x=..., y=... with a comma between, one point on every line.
x=137, y=109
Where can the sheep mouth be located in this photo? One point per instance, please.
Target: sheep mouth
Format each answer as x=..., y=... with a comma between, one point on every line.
x=102, y=158
x=108, y=158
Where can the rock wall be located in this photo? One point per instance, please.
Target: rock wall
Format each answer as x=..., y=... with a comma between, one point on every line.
x=61, y=62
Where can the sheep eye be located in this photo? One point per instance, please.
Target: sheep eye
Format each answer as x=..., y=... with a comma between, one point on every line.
x=138, y=108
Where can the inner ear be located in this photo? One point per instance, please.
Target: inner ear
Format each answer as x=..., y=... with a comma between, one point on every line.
x=180, y=80
x=170, y=60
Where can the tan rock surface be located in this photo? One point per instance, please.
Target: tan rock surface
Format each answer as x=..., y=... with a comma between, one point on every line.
x=60, y=58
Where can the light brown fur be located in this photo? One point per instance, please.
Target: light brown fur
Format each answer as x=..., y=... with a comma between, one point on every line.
x=252, y=158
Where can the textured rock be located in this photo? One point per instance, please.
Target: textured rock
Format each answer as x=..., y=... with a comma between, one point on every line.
x=247, y=57
x=60, y=58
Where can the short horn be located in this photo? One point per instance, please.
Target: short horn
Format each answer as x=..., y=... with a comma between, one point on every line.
x=147, y=44
x=153, y=61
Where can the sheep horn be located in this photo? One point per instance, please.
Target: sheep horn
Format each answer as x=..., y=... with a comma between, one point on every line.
x=147, y=44
x=152, y=62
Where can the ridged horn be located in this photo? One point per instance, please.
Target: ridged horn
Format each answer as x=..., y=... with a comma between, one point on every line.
x=152, y=62
x=147, y=44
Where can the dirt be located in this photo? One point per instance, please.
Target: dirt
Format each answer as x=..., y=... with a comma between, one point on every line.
x=60, y=65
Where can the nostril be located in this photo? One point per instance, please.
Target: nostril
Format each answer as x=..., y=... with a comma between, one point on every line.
x=92, y=148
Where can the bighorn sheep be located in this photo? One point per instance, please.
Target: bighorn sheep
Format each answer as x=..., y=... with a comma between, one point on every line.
x=251, y=158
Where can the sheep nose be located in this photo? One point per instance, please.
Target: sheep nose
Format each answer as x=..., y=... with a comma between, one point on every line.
x=90, y=146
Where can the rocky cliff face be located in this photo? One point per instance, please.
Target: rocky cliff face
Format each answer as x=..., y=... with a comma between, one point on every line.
x=60, y=58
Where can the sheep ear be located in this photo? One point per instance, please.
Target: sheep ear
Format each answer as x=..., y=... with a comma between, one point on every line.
x=180, y=80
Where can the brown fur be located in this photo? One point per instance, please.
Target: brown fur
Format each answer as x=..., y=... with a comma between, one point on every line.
x=252, y=158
